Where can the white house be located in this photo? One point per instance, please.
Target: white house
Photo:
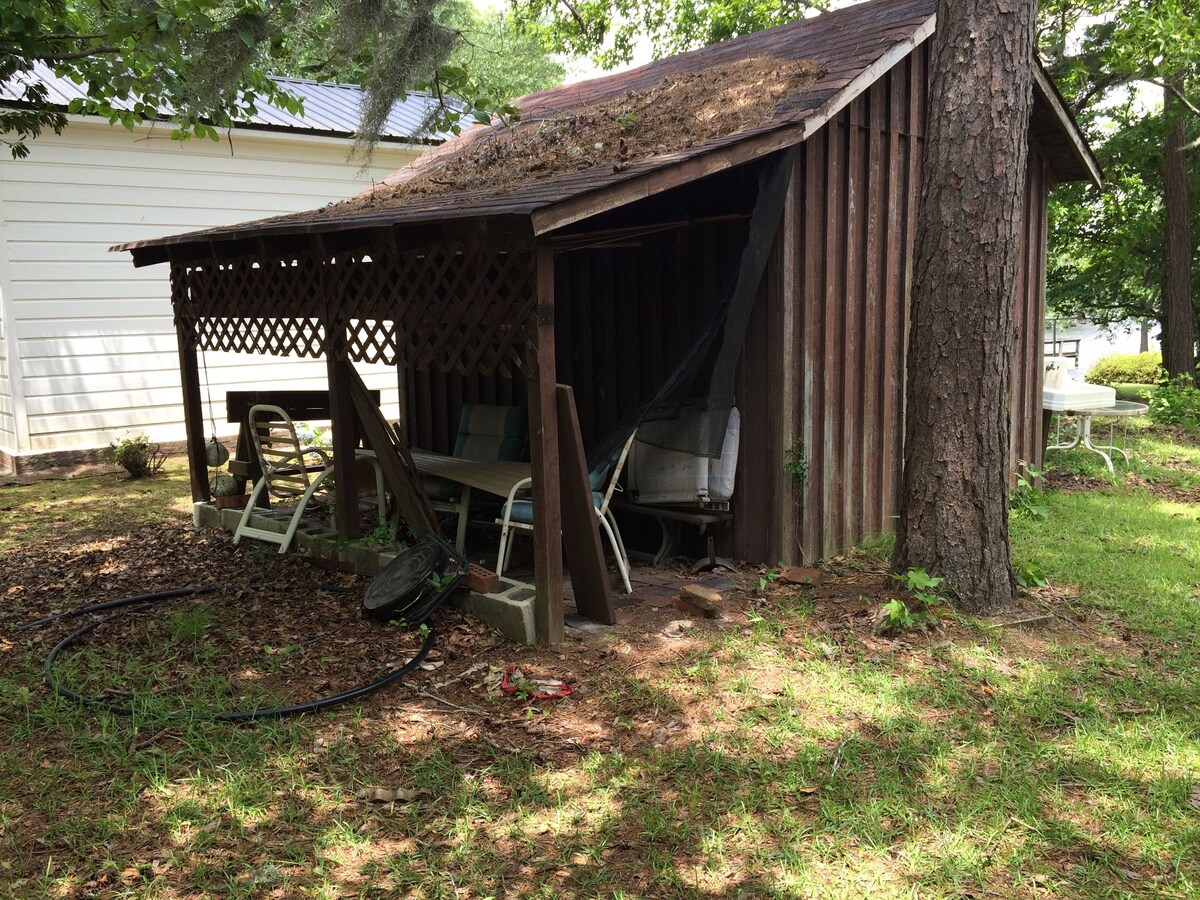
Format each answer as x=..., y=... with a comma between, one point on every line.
x=87, y=347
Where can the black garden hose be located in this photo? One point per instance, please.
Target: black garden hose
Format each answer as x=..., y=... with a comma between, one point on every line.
x=415, y=615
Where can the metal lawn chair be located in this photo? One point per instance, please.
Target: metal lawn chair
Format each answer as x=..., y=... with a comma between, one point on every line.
x=293, y=474
x=603, y=480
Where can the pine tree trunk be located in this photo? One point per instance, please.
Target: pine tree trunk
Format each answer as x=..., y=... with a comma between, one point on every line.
x=1179, y=348
x=954, y=506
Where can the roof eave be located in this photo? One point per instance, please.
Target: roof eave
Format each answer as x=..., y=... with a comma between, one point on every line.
x=1086, y=167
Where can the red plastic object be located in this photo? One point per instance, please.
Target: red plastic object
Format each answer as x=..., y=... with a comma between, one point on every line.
x=537, y=688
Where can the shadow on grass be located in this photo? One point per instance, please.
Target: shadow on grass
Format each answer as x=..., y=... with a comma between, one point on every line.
x=978, y=765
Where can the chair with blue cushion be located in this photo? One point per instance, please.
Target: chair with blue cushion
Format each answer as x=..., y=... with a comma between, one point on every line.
x=518, y=513
x=485, y=433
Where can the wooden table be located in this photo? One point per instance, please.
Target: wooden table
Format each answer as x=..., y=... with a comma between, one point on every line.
x=494, y=476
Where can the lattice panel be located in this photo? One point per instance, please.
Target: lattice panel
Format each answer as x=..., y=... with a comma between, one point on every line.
x=454, y=307
x=273, y=337
x=272, y=307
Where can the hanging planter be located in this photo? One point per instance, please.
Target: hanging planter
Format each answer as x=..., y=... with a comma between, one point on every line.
x=216, y=454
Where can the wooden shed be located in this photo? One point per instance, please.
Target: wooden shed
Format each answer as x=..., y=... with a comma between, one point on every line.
x=602, y=276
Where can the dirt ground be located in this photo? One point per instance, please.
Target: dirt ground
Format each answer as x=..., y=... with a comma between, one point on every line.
x=112, y=806
x=281, y=628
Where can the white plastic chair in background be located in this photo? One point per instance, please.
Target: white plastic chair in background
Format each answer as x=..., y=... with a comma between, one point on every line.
x=292, y=474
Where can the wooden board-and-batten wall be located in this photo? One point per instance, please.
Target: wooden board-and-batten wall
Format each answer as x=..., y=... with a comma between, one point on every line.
x=87, y=346
x=834, y=327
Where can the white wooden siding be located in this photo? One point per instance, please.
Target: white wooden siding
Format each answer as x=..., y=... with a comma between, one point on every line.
x=8, y=422
x=87, y=346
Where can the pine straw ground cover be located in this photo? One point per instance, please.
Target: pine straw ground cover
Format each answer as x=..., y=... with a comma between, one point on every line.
x=788, y=750
x=679, y=112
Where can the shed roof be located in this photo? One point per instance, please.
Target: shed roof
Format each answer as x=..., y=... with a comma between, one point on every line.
x=329, y=108
x=853, y=47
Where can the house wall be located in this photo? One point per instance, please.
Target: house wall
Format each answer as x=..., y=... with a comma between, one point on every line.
x=89, y=350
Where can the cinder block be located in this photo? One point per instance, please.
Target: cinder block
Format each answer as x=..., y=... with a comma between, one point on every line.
x=205, y=515
x=509, y=611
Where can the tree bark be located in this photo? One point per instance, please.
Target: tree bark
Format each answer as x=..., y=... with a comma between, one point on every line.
x=954, y=505
x=1179, y=348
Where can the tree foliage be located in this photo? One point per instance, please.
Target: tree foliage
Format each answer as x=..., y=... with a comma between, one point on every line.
x=493, y=60
x=1106, y=258
x=207, y=59
x=608, y=30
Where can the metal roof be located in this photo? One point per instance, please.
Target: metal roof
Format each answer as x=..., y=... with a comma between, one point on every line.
x=855, y=45
x=329, y=108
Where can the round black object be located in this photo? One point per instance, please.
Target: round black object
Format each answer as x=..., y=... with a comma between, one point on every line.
x=396, y=590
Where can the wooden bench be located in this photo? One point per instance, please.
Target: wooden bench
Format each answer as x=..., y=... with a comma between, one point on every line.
x=671, y=520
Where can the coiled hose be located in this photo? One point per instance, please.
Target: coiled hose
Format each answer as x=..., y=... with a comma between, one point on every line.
x=416, y=614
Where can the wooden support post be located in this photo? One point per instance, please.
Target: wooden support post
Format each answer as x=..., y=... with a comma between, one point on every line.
x=784, y=300
x=193, y=409
x=345, y=441
x=543, y=442
x=402, y=401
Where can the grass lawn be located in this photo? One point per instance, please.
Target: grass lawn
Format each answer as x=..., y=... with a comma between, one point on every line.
x=788, y=750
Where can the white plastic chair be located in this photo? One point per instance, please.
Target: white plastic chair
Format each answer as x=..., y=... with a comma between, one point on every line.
x=519, y=513
x=288, y=474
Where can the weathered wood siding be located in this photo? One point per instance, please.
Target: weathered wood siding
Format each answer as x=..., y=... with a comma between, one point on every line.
x=859, y=184
x=856, y=213
x=91, y=351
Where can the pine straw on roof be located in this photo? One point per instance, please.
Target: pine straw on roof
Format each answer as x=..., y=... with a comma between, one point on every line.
x=676, y=114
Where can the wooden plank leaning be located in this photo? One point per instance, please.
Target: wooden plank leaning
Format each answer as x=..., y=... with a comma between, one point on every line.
x=580, y=525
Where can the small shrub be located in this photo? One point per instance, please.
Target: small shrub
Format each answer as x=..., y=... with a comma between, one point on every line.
x=922, y=588
x=1025, y=501
x=1029, y=575
x=1176, y=403
x=136, y=455
x=1127, y=368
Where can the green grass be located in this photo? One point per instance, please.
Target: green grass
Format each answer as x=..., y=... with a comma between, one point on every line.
x=1059, y=760
x=58, y=510
x=1138, y=393
x=1157, y=455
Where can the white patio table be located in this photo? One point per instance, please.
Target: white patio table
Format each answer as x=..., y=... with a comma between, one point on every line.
x=1083, y=428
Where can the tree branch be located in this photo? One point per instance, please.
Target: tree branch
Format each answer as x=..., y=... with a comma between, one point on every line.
x=55, y=37
x=78, y=54
x=575, y=15
x=1166, y=85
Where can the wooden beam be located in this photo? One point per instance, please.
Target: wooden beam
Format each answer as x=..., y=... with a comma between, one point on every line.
x=391, y=452
x=189, y=373
x=543, y=443
x=784, y=303
x=580, y=525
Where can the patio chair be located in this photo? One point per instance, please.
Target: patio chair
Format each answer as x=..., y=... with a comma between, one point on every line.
x=293, y=474
x=519, y=513
x=485, y=433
